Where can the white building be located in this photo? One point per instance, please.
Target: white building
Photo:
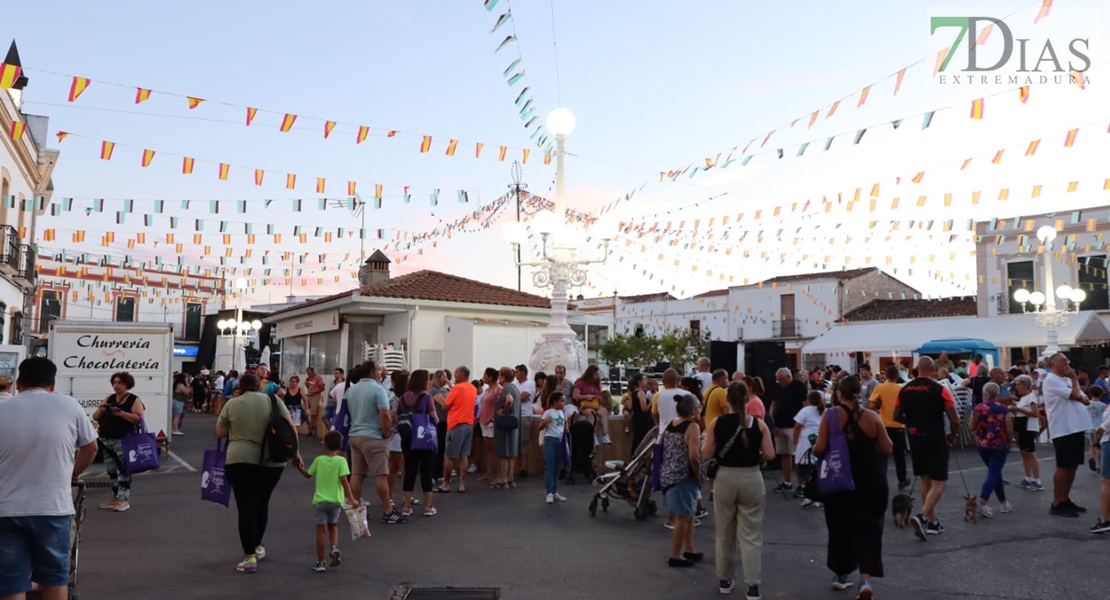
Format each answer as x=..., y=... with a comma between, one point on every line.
x=25, y=190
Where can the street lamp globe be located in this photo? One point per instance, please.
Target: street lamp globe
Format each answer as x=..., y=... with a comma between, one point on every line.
x=515, y=232
x=545, y=222
x=560, y=122
x=256, y=324
x=1022, y=295
x=1078, y=296
x=605, y=228
x=1046, y=234
x=241, y=283
x=1036, y=298
x=1064, y=292
x=221, y=324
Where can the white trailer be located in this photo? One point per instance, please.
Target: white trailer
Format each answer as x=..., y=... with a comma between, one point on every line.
x=87, y=353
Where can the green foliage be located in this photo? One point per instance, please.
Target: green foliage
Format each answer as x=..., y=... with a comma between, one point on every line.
x=677, y=348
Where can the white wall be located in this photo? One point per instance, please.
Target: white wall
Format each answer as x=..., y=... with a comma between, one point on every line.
x=659, y=317
x=12, y=296
x=458, y=342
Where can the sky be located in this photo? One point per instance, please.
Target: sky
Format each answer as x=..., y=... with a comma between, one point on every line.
x=655, y=86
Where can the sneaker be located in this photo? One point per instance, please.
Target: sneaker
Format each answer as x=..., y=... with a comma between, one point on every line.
x=865, y=591
x=1092, y=464
x=320, y=566
x=753, y=593
x=179, y=433
x=394, y=518
x=606, y=439
x=1101, y=527
x=841, y=583
x=406, y=512
x=1024, y=484
x=1034, y=486
x=559, y=498
x=799, y=493
x=108, y=504
x=918, y=524
x=679, y=562
x=122, y=507
x=248, y=565
x=472, y=469
x=934, y=528
x=551, y=500
x=725, y=586
x=817, y=505
x=806, y=502
x=669, y=525
x=697, y=522
x=983, y=510
x=1074, y=507
x=259, y=552
x=1062, y=510
x=335, y=558
x=430, y=511
x=701, y=513
x=455, y=472
x=1005, y=507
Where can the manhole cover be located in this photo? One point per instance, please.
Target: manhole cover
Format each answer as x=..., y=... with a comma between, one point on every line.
x=405, y=592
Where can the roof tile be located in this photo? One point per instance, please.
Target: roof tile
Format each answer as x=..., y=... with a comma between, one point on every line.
x=883, y=310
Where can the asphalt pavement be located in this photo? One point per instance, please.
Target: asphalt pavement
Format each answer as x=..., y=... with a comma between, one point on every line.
x=171, y=545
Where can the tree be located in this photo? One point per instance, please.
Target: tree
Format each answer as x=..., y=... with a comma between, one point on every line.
x=629, y=350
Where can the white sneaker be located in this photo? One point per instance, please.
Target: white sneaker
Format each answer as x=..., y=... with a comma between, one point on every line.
x=606, y=439
x=259, y=553
x=179, y=433
x=1005, y=507
x=551, y=498
x=559, y=498
x=806, y=502
x=984, y=510
x=472, y=469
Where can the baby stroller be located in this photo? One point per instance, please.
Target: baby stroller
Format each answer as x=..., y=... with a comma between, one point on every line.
x=630, y=482
x=581, y=450
x=74, y=540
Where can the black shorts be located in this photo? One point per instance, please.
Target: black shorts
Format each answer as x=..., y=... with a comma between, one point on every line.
x=1070, y=450
x=1027, y=441
x=930, y=457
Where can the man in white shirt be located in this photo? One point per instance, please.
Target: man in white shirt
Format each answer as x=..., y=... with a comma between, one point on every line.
x=664, y=406
x=41, y=433
x=705, y=373
x=1068, y=422
x=527, y=389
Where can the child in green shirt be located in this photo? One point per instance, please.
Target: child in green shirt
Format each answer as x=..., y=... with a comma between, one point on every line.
x=331, y=472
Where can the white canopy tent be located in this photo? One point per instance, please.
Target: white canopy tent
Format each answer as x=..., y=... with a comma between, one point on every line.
x=904, y=336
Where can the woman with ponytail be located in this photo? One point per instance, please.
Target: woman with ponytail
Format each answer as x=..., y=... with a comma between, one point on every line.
x=738, y=442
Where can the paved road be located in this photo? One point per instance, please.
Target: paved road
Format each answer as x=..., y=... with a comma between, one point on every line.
x=171, y=545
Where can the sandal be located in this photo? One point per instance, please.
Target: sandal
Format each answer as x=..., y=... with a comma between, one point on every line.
x=108, y=505
x=430, y=511
x=439, y=490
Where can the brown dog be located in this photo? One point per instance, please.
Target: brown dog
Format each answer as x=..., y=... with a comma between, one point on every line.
x=901, y=508
x=970, y=513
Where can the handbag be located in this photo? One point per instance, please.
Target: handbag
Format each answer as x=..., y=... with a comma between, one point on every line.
x=342, y=424
x=507, y=421
x=213, y=481
x=834, y=468
x=425, y=438
x=140, y=450
x=712, y=465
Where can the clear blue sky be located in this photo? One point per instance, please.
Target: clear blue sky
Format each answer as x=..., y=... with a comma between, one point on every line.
x=654, y=85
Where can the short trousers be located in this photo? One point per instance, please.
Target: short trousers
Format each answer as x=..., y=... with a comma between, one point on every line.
x=178, y=407
x=784, y=441
x=369, y=456
x=487, y=430
x=1027, y=441
x=682, y=498
x=315, y=401
x=395, y=443
x=1070, y=450
x=1105, y=470
x=526, y=429
x=458, y=441
x=930, y=457
x=326, y=513
x=589, y=405
x=33, y=549
x=329, y=412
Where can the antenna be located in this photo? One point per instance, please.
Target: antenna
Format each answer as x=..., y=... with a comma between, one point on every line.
x=358, y=209
x=517, y=173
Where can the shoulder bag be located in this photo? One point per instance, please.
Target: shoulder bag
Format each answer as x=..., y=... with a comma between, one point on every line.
x=712, y=465
x=507, y=421
x=834, y=468
x=140, y=450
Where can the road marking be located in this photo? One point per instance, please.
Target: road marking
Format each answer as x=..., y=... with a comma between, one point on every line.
x=1008, y=464
x=181, y=462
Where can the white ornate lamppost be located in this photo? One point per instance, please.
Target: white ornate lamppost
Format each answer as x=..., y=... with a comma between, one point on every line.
x=1048, y=316
x=561, y=265
x=237, y=325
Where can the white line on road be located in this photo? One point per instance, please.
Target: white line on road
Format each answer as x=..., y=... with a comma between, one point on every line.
x=1008, y=464
x=182, y=462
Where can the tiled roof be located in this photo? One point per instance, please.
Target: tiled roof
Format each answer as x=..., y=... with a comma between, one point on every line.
x=713, y=293
x=838, y=275
x=882, y=310
x=647, y=298
x=440, y=287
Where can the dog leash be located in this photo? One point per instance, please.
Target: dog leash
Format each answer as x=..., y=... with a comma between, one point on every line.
x=961, y=471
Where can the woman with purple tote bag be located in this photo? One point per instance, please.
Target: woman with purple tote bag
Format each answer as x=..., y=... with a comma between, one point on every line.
x=852, y=446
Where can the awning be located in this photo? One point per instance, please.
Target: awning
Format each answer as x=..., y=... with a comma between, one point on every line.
x=1006, y=331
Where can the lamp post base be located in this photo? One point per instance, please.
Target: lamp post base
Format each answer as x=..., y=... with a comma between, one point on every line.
x=559, y=350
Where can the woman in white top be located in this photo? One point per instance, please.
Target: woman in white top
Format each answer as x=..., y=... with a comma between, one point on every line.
x=1027, y=425
x=552, y=426
x=806, y=423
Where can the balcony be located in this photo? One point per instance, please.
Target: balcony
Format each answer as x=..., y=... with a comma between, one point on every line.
x=9, y=249
x=786, y=329
x=28, y=254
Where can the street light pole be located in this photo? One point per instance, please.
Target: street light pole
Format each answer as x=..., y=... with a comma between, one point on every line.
x=517, y=186
x=1048, y=315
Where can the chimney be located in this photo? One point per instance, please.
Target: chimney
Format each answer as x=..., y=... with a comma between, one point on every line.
x=16, y=91
x=375, y=269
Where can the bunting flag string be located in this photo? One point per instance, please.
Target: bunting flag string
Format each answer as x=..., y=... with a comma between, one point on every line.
x=516, y=73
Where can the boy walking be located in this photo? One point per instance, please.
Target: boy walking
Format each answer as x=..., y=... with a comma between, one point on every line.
x=331, y=472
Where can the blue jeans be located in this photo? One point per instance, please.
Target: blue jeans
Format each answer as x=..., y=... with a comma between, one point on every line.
x=33, y=549
x=995, y=460
x=553, y=454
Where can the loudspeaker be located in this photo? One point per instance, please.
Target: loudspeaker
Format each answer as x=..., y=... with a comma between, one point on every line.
x=723, y=355
x=762, y=359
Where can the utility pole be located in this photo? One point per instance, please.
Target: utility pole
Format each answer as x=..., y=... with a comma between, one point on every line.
x=516, y=186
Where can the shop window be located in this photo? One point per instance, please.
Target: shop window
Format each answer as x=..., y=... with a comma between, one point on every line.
x=50, y=309
x=125, y=309
x=194, y=314
x=1019, y=275
x=1091, y=277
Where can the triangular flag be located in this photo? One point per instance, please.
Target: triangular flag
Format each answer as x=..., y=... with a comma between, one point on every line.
x=287, y=123
x=194, y=102
x=78, y=87
x=898, y=82
x=61, y=135
x=141, y=95
x=258, y=175
x=363, y=131
x=148, y=155
x=251, y=112
x=328, y=126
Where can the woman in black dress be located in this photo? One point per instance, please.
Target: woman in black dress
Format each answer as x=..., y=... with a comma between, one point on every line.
x=642, y=421
x=294, y=400
x=855, y=519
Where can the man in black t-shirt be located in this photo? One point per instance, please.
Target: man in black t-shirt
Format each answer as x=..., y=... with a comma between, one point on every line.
x=922, y=406
x=788, y=396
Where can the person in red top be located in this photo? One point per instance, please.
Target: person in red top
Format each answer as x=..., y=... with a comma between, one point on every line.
x=314, y=385
x=994, y=434
x=460, y=404
x=921, y=406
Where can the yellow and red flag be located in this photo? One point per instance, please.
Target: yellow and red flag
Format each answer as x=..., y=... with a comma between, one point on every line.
x=451, y=147
x=251, y=112
x=61, y=135
x=287, y=122
x=940, y=59
x=1032, y=149
x=547, y=160
x=363, y=131
x=501, y=154
x=377, y=190
x=328, y=126
x=8, y=75
x=18, y=127
x=526, y=153
x=478, y=149
x=1023, y=94
x=1077, y=77
x=78, y=87
x=1046, y=6
x=319, y=185
x=141, y=95
x=898, y=82
x=977, y=109
x=78, y=236
x=194, y=102
x=148, y=155
x=831, y=112
x=391, y=134
x=998, y=157
x=426, y=144
x=258, y=173
x=863, y=96
x=350, y=188
x=106, y=149
x=224, y=168
x=48, y=235
x=187, y=165
x=1069, y=141
x=290, y=181
x=917, y=178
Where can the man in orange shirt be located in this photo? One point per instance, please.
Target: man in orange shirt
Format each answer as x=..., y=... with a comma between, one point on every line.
x=883, y=400
x=460, y=404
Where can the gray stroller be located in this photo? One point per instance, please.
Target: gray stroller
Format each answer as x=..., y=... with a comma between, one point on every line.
x=629, y=481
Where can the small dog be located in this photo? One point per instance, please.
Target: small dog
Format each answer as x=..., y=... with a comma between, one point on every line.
x=970, y=514
x=901, y=508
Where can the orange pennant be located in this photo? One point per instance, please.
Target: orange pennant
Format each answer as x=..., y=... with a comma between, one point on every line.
x=194, y=102
x=328, y=126
x=1070, y=140
x=378, y=190
x=141, y=95
x=478, y=150
x=526, y=152
x=363, y=131
x=1078, y=80
x=940, y=59
x=833, y=109
x=1046, y=6
x=290, y=181
x=1023, y=94
x=78, y=87
x=61, y=135
x=898, y=82
x=251, y=112
x=148, y=155
x=998, y=157
x=863, y=96
x=319, y=185
x=350, y=188
x=813, y=118
x=187, y=165
x=258, y=175
x=1032, y=149
x=917, y=178
x=977, y=109
x=451, y=147
x=501, y=154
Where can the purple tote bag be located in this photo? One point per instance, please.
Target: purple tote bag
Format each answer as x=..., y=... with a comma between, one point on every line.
x=213, y=481
x=834, y=469
x=342, y=423
x=140, y=450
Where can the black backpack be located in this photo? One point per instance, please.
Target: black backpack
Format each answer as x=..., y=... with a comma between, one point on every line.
x=280, y=437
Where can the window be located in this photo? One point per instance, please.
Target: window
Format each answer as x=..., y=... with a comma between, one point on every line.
x=639, y=330
x=3, y=320
x=17, y=329
x=1019, y=275
x=193, y=317
x=695, y=326
x=50, y=309
x=125, y=309
x=1091, y=271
